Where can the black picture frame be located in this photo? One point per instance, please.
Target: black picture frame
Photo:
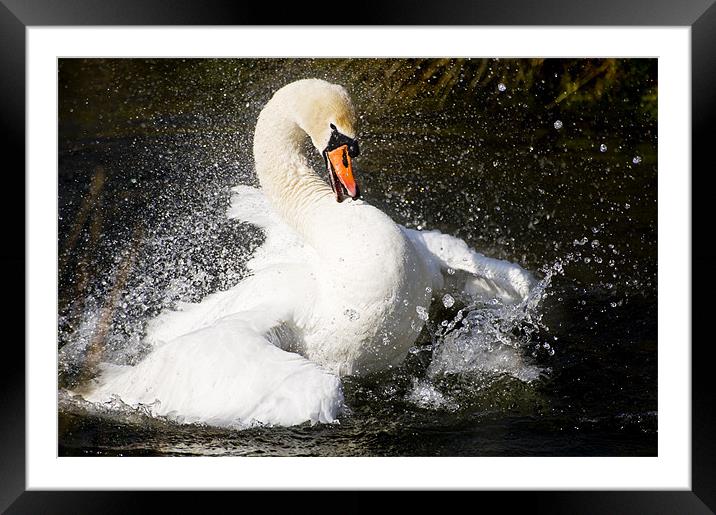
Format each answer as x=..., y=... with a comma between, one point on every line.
x=17, y=15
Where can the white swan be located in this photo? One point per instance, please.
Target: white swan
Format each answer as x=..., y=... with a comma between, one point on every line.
x=337, y=288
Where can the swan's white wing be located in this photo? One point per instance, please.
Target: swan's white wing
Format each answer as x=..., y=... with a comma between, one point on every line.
x=488, y=277
x=282, y=245
x=263, y=300
x=225, y=375
x=215, y=362
x=249, y=204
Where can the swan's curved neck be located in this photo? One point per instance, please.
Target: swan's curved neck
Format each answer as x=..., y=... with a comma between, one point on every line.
x=294, y=189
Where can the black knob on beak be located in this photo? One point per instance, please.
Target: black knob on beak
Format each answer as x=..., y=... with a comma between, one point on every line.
x=338, y=139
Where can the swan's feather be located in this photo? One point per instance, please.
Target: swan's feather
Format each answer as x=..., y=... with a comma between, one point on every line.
x=249, y=204
x=225, y=374
x=282, y=245
x=488, y=277
x=219, y=362
x=263, y=300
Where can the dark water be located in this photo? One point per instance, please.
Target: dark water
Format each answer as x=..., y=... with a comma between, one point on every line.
x=149, y=150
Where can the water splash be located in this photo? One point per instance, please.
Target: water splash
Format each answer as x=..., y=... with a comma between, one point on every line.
x=425, y=394
x=422, y=312
x=485, y=341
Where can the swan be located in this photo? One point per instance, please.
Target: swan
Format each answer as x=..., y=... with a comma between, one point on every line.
x=338, y=288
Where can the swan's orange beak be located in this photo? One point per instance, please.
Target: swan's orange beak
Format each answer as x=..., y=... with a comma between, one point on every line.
x=340, y=164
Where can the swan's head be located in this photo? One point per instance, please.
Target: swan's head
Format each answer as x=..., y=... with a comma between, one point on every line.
x=325, y=112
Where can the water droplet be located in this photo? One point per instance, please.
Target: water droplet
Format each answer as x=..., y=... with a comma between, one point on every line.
x=448, y=300
x=602, y=148
x=501, y=87
x=636, y=160
x=405, y=302
x=351, y=314
x=451, y=271
x=428, y=290
x=581, y=242
x=422, y=312
x=627, y=206
x=558, y=124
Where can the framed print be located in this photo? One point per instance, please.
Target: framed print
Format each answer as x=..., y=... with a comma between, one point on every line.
x=447, y=248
